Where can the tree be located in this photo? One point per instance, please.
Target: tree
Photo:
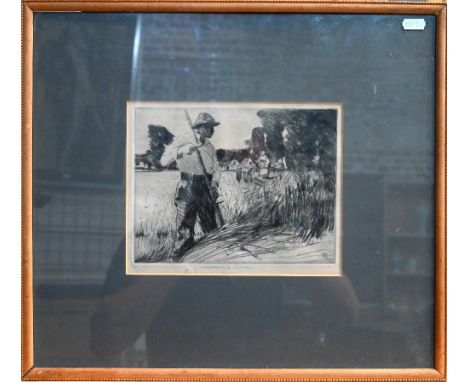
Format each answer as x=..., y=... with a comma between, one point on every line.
x=273, y=129
x=159, y=137
x=305, y=138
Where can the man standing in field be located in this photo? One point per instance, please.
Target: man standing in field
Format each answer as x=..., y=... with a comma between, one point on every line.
x=197, y=191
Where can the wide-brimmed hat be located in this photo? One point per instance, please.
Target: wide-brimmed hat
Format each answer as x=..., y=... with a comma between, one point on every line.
x=204, y=119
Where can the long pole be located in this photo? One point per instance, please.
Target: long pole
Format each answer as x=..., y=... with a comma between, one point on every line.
x=205, y=173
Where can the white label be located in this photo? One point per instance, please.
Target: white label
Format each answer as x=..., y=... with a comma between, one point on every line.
x=414, y=24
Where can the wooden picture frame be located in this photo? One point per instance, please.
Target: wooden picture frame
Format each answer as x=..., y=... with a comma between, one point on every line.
x=29, y=370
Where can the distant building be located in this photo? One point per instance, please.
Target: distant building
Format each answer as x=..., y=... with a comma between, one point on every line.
x=143, y=161
x=279, y=165
x=247, y=163
x=247, y=168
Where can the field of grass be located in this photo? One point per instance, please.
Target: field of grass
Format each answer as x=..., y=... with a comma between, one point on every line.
x=294, y=204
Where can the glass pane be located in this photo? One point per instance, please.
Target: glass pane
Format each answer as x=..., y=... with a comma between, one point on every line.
x=379, y=314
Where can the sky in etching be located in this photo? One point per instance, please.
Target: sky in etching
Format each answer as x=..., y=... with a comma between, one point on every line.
x=234, y=128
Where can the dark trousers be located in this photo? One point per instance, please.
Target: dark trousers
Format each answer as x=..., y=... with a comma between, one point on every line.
x=193, y=199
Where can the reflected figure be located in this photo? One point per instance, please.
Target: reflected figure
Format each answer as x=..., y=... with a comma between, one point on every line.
x=222, y=321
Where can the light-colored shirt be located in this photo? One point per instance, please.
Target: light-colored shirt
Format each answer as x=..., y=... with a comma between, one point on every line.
x=188, y=160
